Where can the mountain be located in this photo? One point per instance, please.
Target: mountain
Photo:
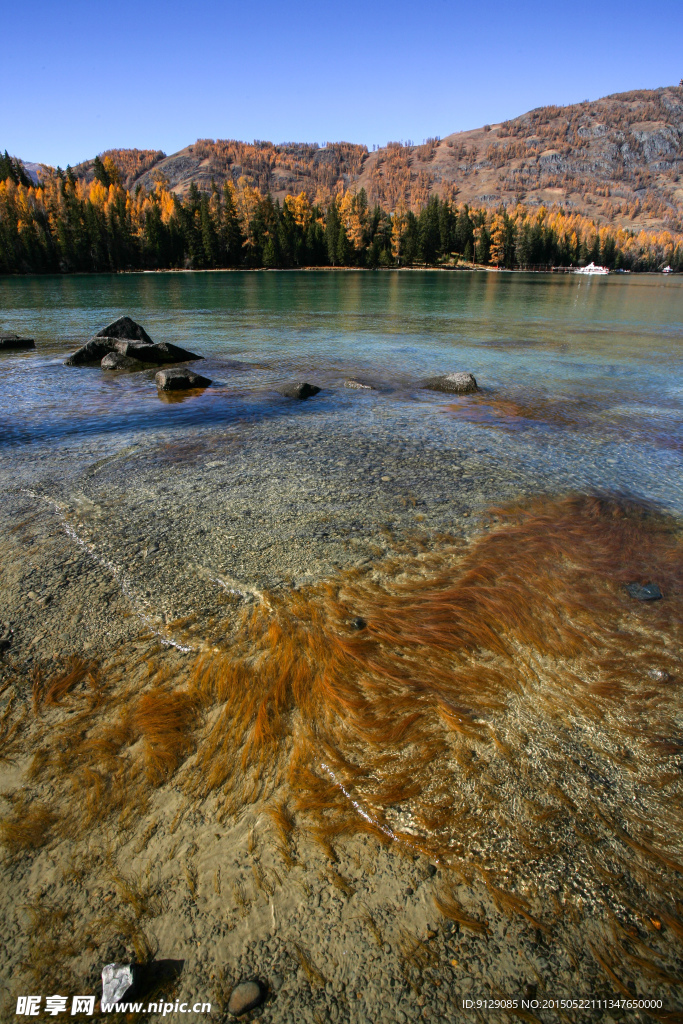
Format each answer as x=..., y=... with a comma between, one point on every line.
x=618, y=160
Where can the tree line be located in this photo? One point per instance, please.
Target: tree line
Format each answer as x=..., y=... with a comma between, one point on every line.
x=66, y=225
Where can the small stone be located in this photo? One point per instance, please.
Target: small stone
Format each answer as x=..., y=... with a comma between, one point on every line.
x=385, y=479
x=649, y=592
x=358, y=623
x=32, y=595
x=245, y=997
x=431, y=870
x=180, y=380
x=357, y=384
x=410, y=892
x=386, y=947
x=460, y=383
x=276, y=982
x=116, y=980
x=301, y=391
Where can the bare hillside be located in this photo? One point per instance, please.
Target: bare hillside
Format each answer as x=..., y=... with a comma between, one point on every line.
x=618, y=159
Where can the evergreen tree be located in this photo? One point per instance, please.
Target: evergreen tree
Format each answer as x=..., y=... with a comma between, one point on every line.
x=344, y=248
x=100, y=172
x=332, y=225
x=209, y=235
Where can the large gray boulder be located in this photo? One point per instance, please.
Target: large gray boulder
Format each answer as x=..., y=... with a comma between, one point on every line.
x=301, y=391
x=180, y=379
x=127, y=329
x=460, y=383
x=12, y=342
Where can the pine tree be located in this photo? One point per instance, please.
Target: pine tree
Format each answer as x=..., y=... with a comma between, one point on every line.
x=332, y=226
x=100, y=172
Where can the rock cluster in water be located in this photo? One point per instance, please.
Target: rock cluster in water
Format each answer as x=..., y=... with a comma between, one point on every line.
x=125, y=345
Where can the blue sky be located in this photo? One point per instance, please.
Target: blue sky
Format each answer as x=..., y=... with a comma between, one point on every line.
x=90, y=76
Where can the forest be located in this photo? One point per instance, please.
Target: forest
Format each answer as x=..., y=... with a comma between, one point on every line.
x=66, y=224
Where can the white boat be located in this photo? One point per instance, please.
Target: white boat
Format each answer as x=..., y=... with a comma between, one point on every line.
x=667, y=270
x=592, y=269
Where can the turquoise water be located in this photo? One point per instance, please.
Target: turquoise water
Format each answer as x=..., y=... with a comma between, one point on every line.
x=582, y=379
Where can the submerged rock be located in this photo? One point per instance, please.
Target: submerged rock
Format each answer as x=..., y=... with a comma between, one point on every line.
x=357, y=384
x=180, y=380
x=125, y=328
x=650, y=592
x=9, y=342
x=299, y=390
x=116, y=361
x=245, y=996
x=116, y=980
x=460, y=383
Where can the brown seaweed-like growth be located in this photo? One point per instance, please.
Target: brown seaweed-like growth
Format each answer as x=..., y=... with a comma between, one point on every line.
x=508, y=710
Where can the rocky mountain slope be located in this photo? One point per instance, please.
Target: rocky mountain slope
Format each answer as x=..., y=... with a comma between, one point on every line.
x=617, y=159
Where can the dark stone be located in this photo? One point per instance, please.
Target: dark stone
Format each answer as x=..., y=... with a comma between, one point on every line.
x=358, y=623
x=530, y=990
x=650, y=592
x=245, y=996
x=460, y=383
x=158, y=354
x=410, y=892
x=431, y=870
x=180, y=380
x=115, y=361
x=12, y=342
x=92, y=353
x=127, y=329
x=300, y=391
x=129, y=348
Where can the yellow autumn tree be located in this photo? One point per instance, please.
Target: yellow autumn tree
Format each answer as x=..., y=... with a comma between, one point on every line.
x=398, y=226
x=497, y=244
x=300, y=209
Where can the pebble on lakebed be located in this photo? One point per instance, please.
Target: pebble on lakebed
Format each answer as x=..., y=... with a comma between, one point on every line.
x=245, y=996
x=460, y=383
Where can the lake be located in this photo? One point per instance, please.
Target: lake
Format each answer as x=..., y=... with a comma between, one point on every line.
x=581, y=390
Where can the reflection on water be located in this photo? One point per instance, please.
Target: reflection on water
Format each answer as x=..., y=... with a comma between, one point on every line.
x=555, y=356
x=176, y=397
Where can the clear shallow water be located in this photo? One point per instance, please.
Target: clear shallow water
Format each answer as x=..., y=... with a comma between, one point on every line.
x=582, y=379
